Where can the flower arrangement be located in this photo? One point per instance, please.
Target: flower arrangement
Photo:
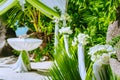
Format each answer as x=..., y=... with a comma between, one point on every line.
x=81, y=38
x=56, y=20
x=101, y=53
x=65, y=17
x=62, y=18
x=65, y=30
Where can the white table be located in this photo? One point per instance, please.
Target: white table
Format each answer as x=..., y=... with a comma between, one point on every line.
x=24, y=45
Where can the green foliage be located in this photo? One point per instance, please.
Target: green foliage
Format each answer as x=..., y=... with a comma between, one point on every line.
x=114, y=41
x=89, y=74
x=48, y=51
x=114, y=56
x=104, y=73
x=16, y=52
x=37, y=53
x=2, y=1
x=64, y=67
x=25, y=57
x=110, y=74
x=92, y=17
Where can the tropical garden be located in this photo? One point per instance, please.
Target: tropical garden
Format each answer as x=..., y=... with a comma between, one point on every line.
x=74, y=33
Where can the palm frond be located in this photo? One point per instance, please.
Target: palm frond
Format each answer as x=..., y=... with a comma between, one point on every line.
x=65, y=67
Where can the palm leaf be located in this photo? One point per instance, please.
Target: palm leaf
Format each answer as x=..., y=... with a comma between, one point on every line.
x=65, y=67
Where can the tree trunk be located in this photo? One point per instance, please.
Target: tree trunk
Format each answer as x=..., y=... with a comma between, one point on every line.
x=2, y=36
x=5, y=49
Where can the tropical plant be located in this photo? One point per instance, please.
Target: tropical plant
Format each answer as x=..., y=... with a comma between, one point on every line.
x=92, y=17
x=65, y=67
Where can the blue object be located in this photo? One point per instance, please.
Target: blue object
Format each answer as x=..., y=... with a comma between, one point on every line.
x=21, y=31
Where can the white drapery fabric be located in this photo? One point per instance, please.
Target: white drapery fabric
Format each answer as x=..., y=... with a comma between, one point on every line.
x=27, y=44
x=8, y=2
x=96, y=69
x=61, y=4
x=56, y=36
x=22, y=2
x=19, y=66
x=81, y=62
x=66, y=45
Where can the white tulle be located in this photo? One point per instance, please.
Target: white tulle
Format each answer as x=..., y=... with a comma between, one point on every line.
x=20, y=66
x=81, y=63
x=27, y=44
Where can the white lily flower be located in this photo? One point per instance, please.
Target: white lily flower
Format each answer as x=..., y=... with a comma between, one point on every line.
x=96, y=48
x=82, y=38
x=113, y=52
x=74, y=42
x=93, y=58
x=105, y=58
x=109, y=48
x=65, y=17
x=99, y=62
x=65, y=30
x=56, y=20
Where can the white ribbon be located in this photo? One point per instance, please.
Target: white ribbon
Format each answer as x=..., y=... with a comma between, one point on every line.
x=97, y=68
x=96, y=71
x=81, y=63
x=66, y=44
x=56, y=35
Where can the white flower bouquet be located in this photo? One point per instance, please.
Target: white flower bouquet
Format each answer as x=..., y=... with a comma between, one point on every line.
x=101, y=53
x=65, y=17
x=81, y=38
x=56, y=20
x=65, y=30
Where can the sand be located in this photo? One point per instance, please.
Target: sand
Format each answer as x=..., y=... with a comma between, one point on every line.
x=40, y=70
